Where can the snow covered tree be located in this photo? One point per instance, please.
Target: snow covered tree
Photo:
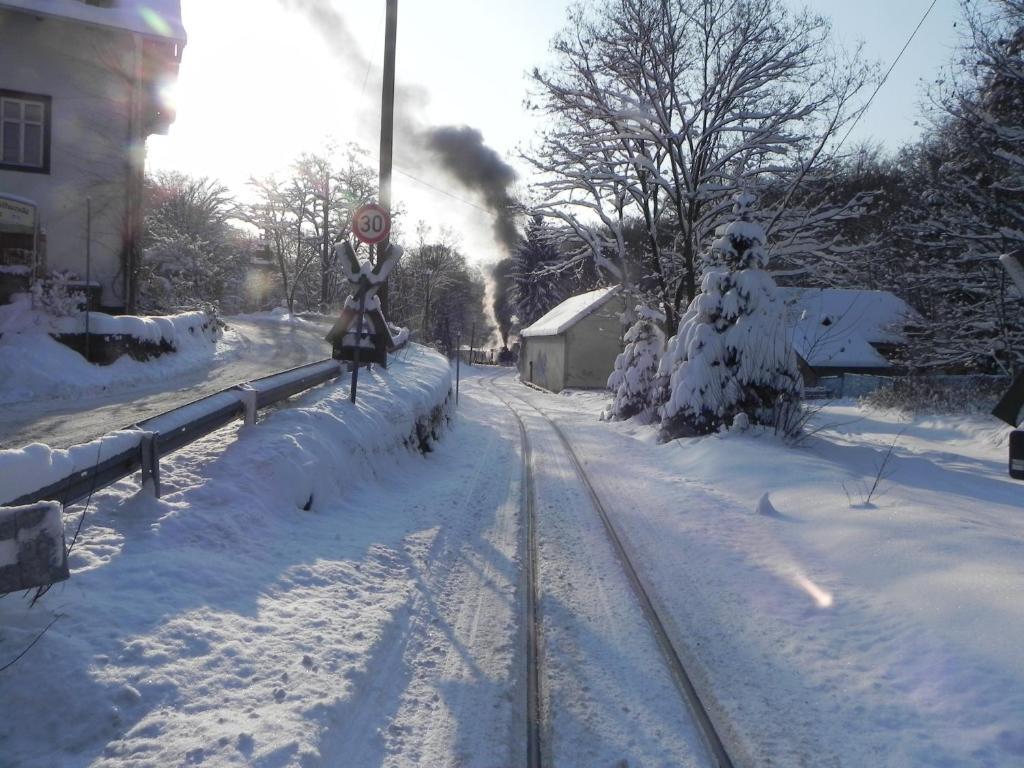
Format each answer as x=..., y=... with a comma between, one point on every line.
x=967, y=206
x=659, y=108
x=636, y=367
x=192, y=255
x=731, y=363
x=537, y=281
x=334, y=190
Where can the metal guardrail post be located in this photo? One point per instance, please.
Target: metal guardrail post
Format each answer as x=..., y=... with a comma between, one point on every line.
x=149, y=457
x=248, y=396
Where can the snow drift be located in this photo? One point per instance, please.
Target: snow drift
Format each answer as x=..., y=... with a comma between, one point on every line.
x=164, y=592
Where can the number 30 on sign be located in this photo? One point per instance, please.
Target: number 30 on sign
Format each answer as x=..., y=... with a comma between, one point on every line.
x=371, y=224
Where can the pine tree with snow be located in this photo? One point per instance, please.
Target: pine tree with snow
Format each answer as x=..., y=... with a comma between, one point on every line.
x=636, y=367
x=731, y=363
x=535, y=292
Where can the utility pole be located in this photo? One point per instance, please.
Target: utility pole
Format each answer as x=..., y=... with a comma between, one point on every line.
x=387, y=128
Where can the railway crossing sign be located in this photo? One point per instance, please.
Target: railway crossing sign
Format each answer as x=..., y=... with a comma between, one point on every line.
x=361, y=333
x=371, y=224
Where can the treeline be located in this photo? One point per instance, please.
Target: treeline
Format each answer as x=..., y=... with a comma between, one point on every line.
x=274, y=246
x=659, y=111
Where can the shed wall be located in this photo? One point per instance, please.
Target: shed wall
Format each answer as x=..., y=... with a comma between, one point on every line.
x=593, y=344
x=547, y=355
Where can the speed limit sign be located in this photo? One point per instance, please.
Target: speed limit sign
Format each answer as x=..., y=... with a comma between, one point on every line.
x=371, y=224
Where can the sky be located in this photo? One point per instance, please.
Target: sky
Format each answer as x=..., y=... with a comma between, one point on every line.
x=260, y=83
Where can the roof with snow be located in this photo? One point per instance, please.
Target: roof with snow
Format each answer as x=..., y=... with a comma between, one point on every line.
x=570, y=312
x=835, y=327
x=152, y=18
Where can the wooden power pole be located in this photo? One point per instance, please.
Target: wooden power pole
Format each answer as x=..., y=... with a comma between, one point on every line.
x=387, y=128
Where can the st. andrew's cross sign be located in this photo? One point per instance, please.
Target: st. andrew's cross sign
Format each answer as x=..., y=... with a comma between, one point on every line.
x=350, y=338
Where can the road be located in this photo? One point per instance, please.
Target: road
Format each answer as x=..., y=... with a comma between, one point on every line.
x=266, y=347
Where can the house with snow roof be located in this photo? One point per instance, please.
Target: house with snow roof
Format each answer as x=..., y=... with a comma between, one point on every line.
x=575, y=344
x=837, y=331
x=82, y=85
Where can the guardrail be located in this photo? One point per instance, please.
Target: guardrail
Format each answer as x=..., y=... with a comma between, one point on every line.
x=161, y=435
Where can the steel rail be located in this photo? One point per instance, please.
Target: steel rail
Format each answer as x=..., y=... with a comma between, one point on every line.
x=682, y=679
x=534, y=715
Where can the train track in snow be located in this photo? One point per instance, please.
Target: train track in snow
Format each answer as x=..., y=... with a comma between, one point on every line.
x=673, y=661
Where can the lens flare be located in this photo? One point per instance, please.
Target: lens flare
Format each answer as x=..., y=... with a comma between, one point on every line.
x=155, y=21
x=819, y=595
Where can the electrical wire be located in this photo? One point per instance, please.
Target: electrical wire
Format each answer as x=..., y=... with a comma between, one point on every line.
x=885, y=78
x=444, y=192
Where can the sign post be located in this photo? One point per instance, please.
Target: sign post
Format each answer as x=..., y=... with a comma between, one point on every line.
x=371, y=224
x=355, y=352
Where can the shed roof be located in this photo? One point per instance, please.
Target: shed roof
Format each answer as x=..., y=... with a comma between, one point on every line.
x=834, y=327
x=569, y=312
x=153, y=18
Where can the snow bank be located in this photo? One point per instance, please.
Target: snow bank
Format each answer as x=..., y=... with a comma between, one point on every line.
x=37, y=466
x=237, y=619
x=34, y=365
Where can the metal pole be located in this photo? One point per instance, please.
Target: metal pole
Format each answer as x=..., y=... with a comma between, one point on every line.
x=472, y=343
x=458, y=368
x=359, y=344
x=387, y=128
x=88, y=270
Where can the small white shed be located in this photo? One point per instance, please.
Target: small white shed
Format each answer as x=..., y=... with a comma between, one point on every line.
x=575, y=344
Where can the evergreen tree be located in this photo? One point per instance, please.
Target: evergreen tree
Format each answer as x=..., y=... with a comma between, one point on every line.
x=731, y=363
x=636, y=367
x=537, y=290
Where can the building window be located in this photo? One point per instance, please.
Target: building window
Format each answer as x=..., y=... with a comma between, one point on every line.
x=24, y=132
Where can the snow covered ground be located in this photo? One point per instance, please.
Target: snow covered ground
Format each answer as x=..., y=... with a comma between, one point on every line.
x=51, y=395
x=228, y=625
x=830, y=630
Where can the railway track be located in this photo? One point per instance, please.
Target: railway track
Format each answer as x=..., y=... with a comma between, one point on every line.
x=717, y=752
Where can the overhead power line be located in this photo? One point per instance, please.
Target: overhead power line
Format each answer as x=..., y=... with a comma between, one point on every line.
x=443, y=191
x=892, y=66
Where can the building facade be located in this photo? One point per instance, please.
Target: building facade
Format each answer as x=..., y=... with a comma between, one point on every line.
x=81, y=88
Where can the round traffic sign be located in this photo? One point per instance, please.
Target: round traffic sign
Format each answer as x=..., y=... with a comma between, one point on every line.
x=371, y=224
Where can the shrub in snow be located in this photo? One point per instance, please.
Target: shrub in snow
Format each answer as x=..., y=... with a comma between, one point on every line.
x=55, y=297
x=637, y=367
x=732, y=353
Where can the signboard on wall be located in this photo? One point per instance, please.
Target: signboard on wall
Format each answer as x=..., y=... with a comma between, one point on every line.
x=17, y=214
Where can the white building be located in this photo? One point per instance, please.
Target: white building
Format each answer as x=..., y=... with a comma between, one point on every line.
x=81, y=87
x=575, y=344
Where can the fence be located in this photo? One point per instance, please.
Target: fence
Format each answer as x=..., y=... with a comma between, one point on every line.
x=160, y=435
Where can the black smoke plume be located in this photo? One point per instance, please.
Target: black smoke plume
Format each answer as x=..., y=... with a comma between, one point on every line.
x=504, y=297
x=461, y=151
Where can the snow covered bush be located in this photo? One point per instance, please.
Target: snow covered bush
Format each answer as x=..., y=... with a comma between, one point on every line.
x=636, y=367
x=732, y=357
x=55, y=297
